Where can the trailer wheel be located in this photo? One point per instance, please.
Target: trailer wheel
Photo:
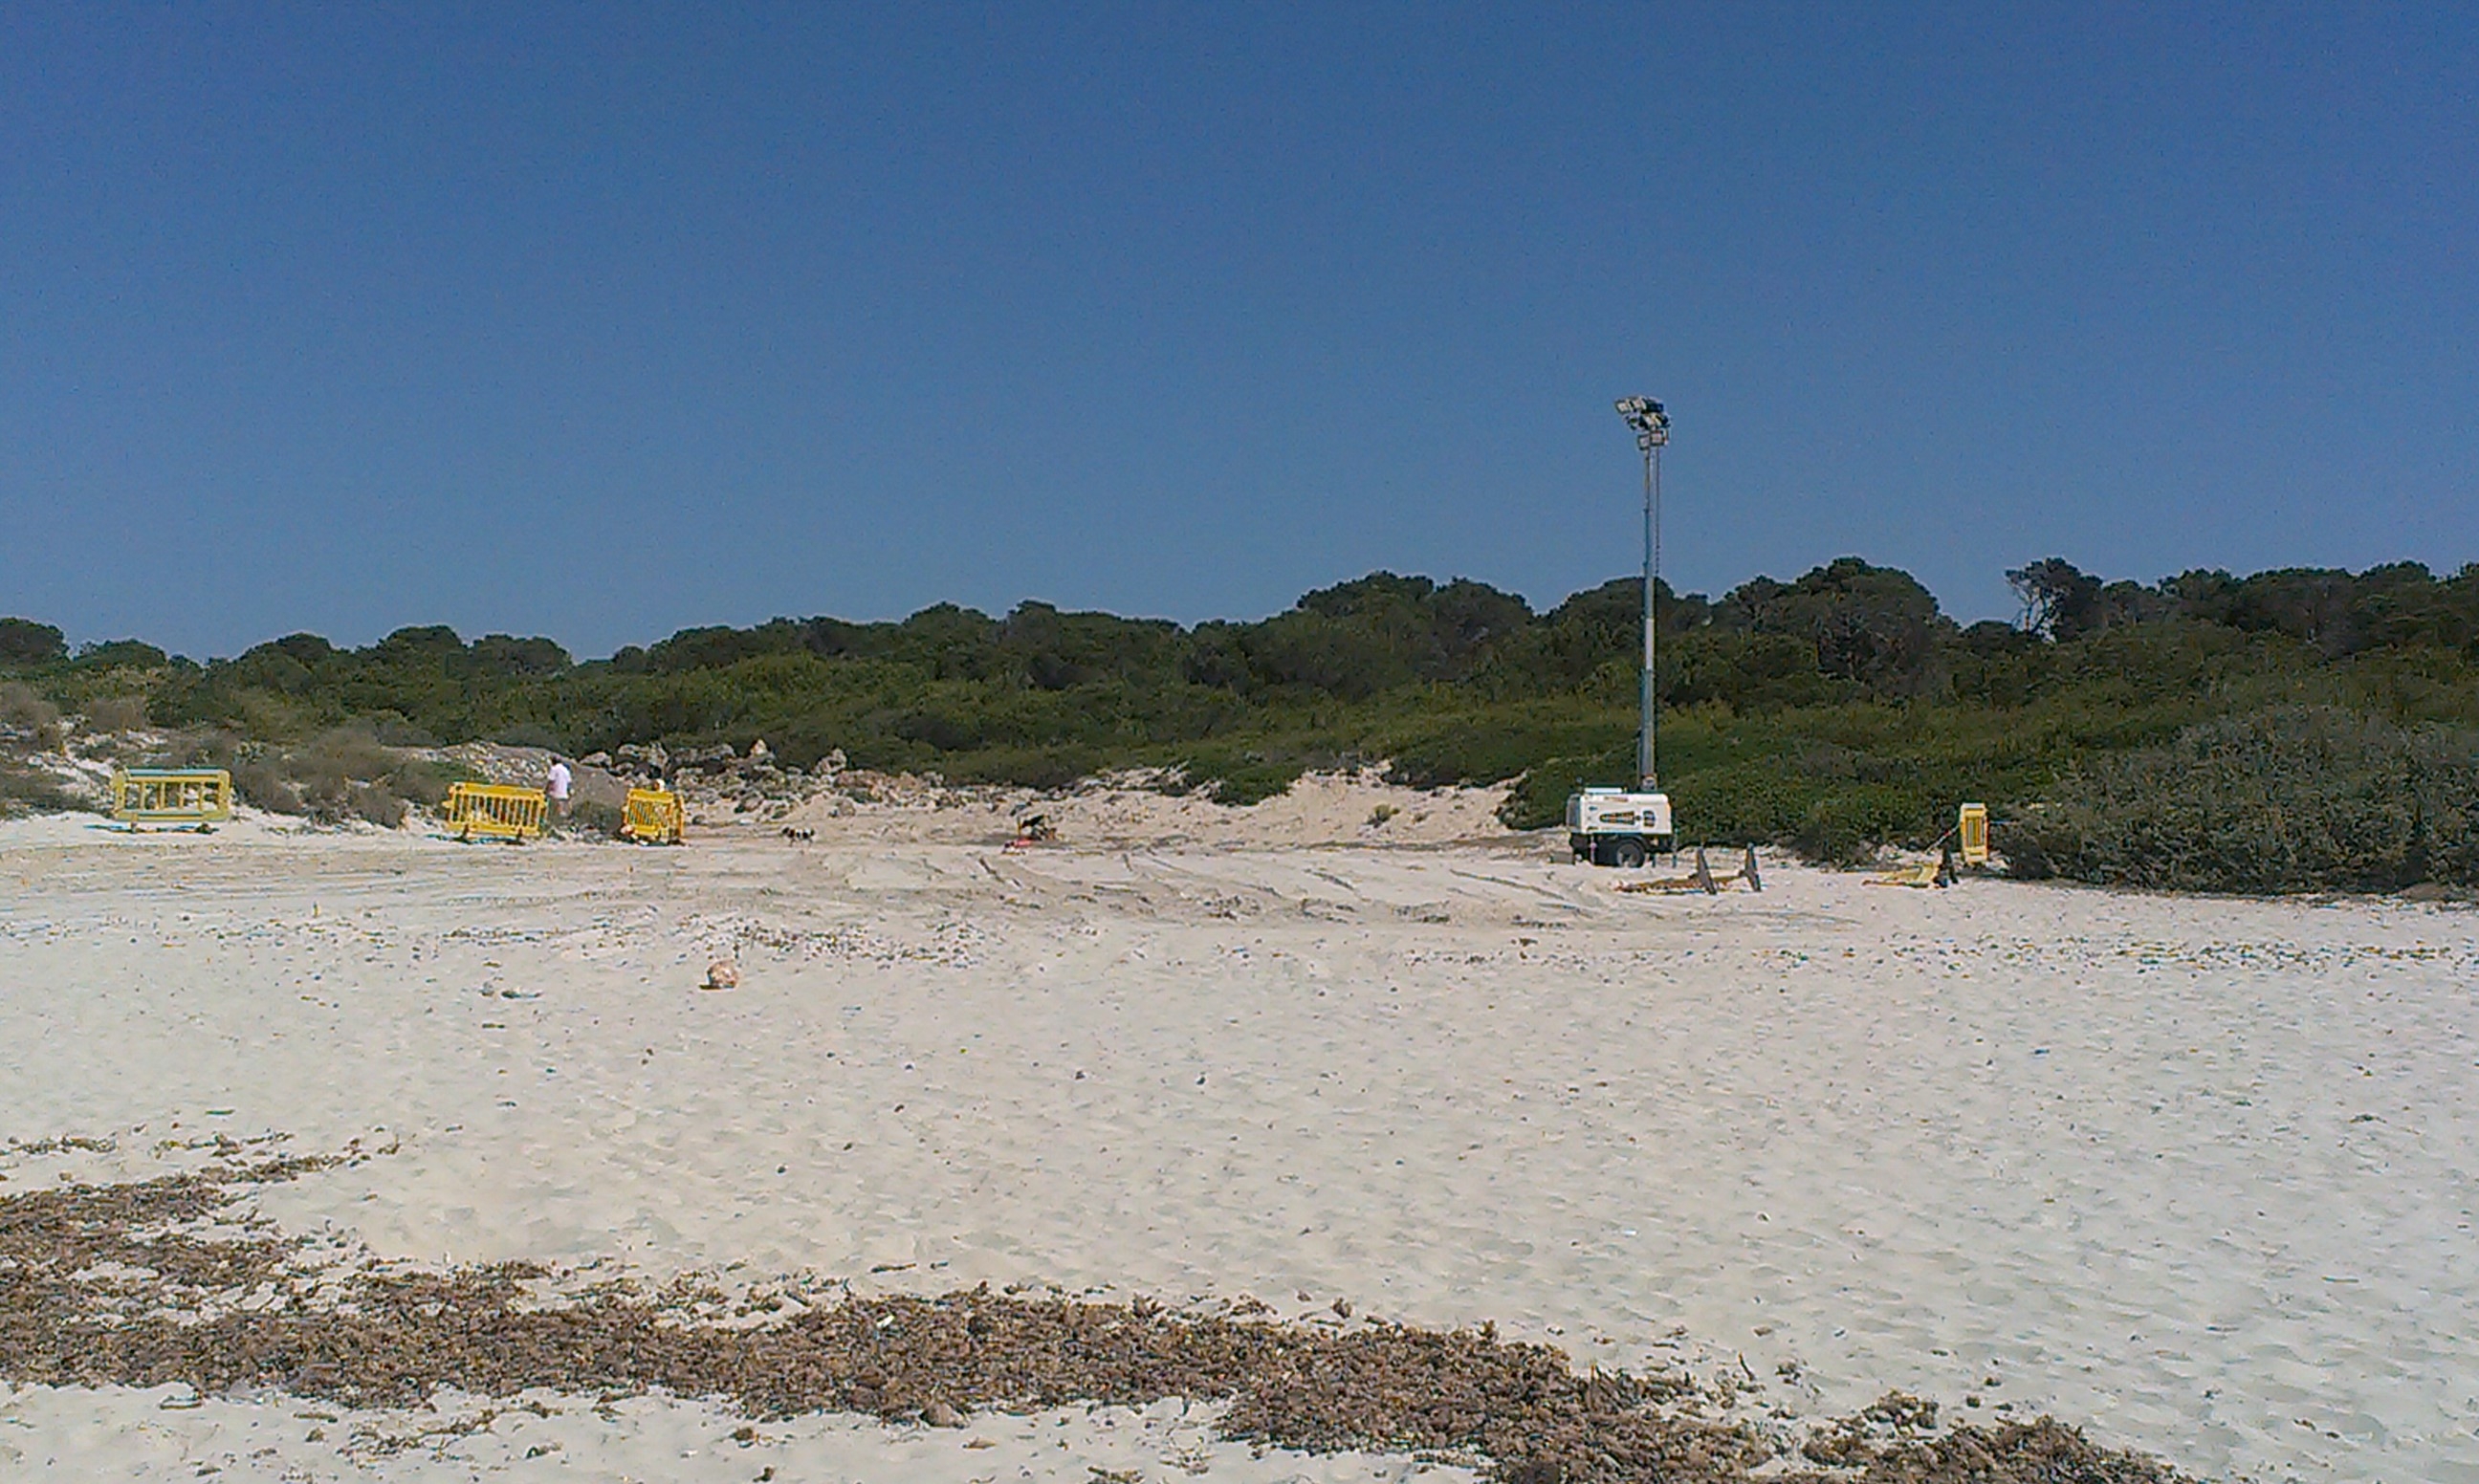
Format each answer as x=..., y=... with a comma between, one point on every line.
x=1627, y=853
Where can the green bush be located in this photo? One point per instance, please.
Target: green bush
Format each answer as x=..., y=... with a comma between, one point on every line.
x=1539, y=797
x=1253, y=782
x=117, y=713
x=530, y=734
x=31, y=790
x=427, y=782
x=1845, y=827
x=208, y=749
x=261, y=782
x=23, y=643
x=343, y=773
x=23, y=709
x=376, y=802
x=2288, y=800
x=330, y=773
x=1029, y=767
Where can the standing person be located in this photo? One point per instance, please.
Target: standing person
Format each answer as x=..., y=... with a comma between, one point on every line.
x=560, y=780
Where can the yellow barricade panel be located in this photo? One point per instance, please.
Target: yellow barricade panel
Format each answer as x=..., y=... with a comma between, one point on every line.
x=1971, y=834
x=653, y=816
x=194, y=797
x=496, y=811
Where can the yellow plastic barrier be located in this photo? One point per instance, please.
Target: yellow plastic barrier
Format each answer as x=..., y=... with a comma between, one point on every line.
x=186, y=798
x=496, y=811
x=652, y=815
x=1928, y=873
x=1971, y=835
x=1701, y=879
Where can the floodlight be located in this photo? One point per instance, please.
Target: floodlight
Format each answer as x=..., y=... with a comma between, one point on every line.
x=1651, y=424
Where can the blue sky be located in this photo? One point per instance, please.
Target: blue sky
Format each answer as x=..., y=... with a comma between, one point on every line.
x=603, y=321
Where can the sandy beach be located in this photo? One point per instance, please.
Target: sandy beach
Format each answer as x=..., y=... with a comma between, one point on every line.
x=2192, y=1174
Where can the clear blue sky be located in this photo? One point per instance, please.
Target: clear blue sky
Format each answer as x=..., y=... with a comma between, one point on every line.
x=603, y=321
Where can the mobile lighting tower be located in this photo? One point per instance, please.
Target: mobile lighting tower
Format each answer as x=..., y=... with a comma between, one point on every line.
x=1626, y=827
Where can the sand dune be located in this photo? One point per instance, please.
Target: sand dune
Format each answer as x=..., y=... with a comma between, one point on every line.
x=2194, y=1173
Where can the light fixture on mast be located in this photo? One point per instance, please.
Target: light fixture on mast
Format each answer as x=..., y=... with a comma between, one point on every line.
x=1651, y=425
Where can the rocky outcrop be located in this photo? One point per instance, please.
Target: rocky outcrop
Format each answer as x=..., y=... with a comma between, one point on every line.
x=752, y=785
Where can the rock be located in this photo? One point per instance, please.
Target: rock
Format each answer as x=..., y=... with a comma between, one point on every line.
x=940, y=1414
x=722, y=974
x=640, y=757
x=758, y=752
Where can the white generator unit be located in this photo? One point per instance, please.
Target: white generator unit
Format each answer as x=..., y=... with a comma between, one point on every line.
x=1618, y=826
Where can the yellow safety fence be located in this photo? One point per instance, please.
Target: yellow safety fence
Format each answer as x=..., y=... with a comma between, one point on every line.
x=187, y=798
x=496, y=811
x=652, y=815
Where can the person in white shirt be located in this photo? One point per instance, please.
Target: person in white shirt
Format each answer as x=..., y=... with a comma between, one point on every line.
x=560, y=779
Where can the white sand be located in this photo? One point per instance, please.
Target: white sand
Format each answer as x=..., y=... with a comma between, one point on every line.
x=167, y=1433
x=2195, y=1173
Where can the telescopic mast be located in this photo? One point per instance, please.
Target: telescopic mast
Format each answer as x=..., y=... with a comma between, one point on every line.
x=1651, y=425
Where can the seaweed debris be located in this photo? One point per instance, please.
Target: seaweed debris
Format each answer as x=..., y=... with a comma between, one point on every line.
x=158, y=1282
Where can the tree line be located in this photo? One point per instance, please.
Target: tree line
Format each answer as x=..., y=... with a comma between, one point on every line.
x=1837, y=710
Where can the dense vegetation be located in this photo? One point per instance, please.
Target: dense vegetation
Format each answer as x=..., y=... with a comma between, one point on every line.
x=2122, y=726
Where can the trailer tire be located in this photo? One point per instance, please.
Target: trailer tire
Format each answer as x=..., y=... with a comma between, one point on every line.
x=1627, y=853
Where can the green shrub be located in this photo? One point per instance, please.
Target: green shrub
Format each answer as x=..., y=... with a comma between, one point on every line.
x=1254, y=782
x=23, y=642
x=328, y=765
x=1030, y=767
x=1539, y=797
x=1845, y=827
x=529, y=734
x=342, y=774
x=2287, y=799
x=376, y=802
x=210, y=749
x=260, y=780
x=268, y=716
x=31, y=790
x=117, y=713
x=390, y=729
x=122, y=654
x=353, y=750
x=29, y=713
x=427, y=782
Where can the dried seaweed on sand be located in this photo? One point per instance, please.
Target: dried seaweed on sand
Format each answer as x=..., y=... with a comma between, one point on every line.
x=118, y=1285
